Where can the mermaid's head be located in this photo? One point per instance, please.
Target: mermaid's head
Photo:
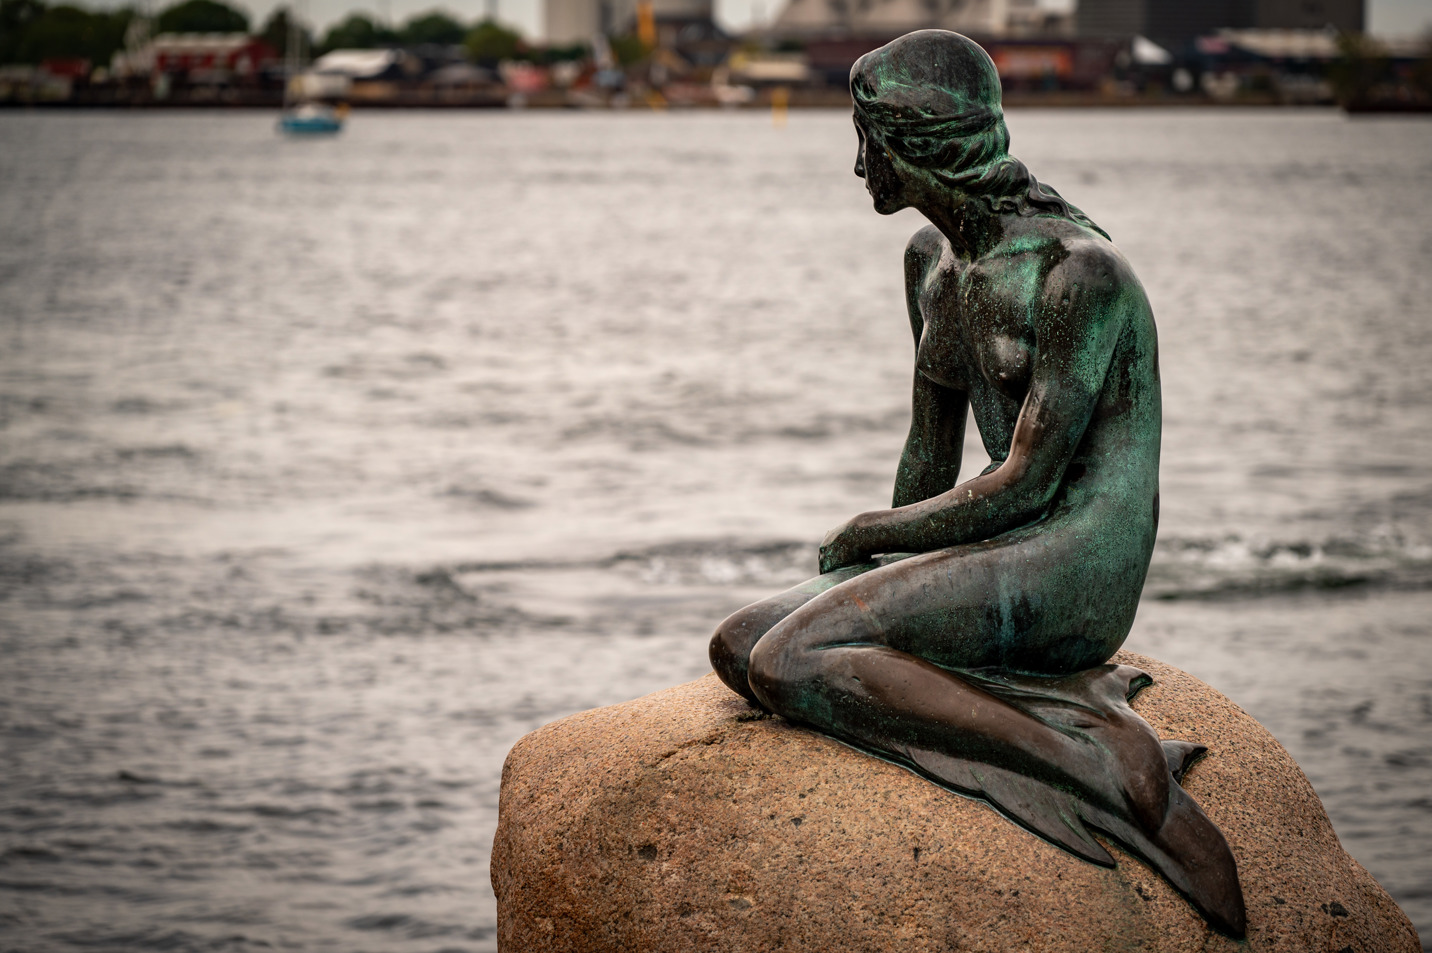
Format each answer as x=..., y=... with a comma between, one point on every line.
x=931, y=100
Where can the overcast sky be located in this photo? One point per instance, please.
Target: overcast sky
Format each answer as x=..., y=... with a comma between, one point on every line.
x=1385, y=17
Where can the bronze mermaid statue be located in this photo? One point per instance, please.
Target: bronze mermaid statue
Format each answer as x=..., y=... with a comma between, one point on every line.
x=965, y=632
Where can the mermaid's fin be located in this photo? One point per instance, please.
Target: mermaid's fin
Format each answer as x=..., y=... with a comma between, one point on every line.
x=1190, y=852
x=1154, y=819
x=1044, y=810
x=1181, y=756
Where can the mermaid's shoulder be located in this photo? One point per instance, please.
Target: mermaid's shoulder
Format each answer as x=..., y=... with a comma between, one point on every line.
x=924, y=249
x=1090, y=261
x=928, y=242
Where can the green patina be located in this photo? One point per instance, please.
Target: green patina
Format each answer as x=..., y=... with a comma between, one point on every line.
x=934, y=623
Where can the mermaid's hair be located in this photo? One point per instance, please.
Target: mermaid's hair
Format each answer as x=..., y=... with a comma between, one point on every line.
x=933, y=98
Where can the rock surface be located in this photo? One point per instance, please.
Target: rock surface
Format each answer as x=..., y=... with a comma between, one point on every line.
x=687, y=821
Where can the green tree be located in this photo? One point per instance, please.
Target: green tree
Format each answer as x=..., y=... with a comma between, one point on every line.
x=16, y=16
x=561, y=54
x=67, y=32
x=432, y=27
x=275, y=32
x=490, y=42
x=1362, y=66
x=629, y=50
x=1422, y=72
x=202, y=16
x=357, y=32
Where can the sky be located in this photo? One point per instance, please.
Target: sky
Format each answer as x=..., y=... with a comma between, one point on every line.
x=1385, y=17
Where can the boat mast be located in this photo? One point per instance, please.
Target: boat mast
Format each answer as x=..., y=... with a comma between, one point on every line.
x=292, y=55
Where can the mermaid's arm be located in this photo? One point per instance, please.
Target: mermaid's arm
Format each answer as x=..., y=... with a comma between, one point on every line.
x=930, y=462
x=1075, y=341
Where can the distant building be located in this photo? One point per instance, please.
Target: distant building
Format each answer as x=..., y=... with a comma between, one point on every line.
x=830, y=19
x=1175, y=23
x=1112, y=17
x=1037, y=63
x=1024, y=18
x=569, y=22
x=70, y=68
x=361, y=75
x=209, y=57
x=1347, y=15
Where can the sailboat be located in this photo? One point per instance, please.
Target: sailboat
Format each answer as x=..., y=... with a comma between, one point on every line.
x=303, y=118
x=310, y=118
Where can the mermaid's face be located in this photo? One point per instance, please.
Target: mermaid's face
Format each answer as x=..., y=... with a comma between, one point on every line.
x=875, y=164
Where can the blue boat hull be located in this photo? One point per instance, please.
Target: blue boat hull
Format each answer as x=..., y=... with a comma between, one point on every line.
x=309, y=125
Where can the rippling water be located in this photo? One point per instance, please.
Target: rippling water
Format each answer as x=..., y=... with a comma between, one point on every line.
x=328, y=469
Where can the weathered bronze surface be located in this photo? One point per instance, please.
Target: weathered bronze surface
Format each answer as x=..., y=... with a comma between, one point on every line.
x=963, y=632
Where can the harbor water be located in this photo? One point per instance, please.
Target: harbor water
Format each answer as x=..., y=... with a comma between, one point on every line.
x=330, y=468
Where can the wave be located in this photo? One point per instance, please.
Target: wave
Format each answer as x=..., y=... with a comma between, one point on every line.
x=1221, y=567
x=1234, y=566
x=119, y=473
x=720, y=563
x=1229, y=566
x=688, y=562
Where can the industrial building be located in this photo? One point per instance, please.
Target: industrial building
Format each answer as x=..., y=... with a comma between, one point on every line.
x=830, y=19
x=569, y=22
x=1175, y=23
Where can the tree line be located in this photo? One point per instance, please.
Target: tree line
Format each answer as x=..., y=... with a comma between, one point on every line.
x=32, y=31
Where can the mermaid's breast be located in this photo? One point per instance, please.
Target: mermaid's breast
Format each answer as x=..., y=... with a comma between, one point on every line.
x=1006, y=361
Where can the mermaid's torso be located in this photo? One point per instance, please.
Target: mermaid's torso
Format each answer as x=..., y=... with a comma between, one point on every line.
x=980, y=326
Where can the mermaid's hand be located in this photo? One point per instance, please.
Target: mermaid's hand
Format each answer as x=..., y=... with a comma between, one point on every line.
x=840, y=549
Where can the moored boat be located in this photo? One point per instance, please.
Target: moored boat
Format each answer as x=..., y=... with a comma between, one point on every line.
x=300, y=118
x=311, y=119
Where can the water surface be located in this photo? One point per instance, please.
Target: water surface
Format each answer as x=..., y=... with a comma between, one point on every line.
x=328, y=469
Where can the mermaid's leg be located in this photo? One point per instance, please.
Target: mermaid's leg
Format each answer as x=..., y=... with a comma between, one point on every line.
x=867, y=662
x=875, y=660
x=734, y=638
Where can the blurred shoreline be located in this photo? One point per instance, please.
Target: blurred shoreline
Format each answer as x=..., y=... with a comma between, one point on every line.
x=794, y=99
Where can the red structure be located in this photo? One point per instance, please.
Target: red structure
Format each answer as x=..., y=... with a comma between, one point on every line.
x=1023, y=63
x=232, y=53
x=67, y=68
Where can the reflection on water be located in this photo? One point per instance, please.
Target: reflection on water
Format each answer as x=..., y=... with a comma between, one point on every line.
x=329, y=469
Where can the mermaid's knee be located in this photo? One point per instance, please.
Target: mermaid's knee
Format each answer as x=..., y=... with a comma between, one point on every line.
x=786, y=671
x=731, y=645
x=770, y=675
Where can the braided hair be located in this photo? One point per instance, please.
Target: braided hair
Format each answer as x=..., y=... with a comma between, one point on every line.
x=933, y=98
